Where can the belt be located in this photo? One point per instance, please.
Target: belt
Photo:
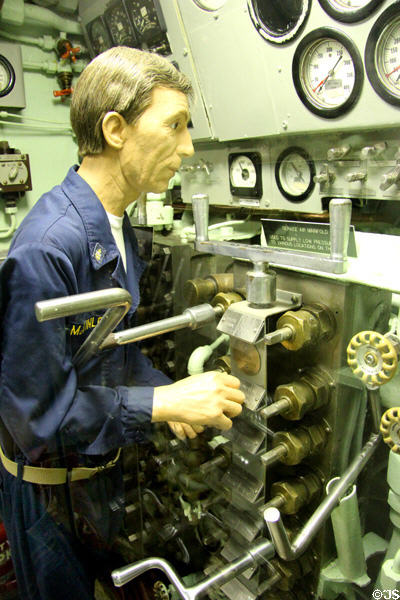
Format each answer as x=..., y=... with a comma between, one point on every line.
x=54, y=475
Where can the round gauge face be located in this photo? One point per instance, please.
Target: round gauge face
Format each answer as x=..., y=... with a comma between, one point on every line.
x=278, y=21
x=245, y=174
x=7, y=76
x=382, y=55
x=294, y=174
x=327, y=72
x=119, y=27
x=210, y=5
x=349, y=11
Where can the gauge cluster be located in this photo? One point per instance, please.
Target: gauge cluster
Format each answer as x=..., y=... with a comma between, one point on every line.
x=133, y=23
x=295, y=66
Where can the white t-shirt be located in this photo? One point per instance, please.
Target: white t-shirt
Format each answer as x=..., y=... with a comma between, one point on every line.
x=116, y=229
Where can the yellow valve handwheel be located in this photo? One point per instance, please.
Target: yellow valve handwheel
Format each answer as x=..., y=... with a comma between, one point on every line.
x=390, y=429
x=372, y=358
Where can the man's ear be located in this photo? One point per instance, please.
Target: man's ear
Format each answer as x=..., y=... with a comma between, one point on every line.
x=114, y=129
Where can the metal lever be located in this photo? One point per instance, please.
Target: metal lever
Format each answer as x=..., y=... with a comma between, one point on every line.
x=116, y=300
x=192, y=317
x=272, y=516
x=336, y=262
x=263, y=551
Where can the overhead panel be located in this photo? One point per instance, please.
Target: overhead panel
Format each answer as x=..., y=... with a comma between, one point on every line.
x=265, y=70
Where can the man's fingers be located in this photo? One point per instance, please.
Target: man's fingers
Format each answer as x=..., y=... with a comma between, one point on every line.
x=223, y=423
x=235, y=395
x=232, y=409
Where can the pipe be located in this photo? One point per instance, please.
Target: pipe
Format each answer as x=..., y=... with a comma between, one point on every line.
x=291, y=551
x=191, y=317
x=116, y=300
x=262, y=550
x=6, y=233
x=15, y=12
x=201, y=354
x=348, y=537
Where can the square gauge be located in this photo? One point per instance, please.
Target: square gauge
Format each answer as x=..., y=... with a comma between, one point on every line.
x=245, y=174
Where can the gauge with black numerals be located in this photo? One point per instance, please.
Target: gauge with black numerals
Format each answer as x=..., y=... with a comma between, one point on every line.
x=327, y=72
x=278, y=21
x=145, y=19
x=382, y=55
x=294, y=174
x=245, y=174
x=121, y=30
x=349, y=11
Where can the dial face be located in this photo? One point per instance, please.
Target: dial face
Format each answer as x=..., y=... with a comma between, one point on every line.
x=349, y=11
x=144, y=18
x=98, y=35
x=245, y=174
x=294, y=174
x=327, y=72
x=278, y=21
x=120, y=29
x=382, y=55
x=7, y=76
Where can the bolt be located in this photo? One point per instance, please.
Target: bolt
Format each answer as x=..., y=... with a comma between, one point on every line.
x=370, y=359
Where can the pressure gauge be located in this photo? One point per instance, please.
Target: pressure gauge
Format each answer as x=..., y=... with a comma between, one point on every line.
x=210, y=5
x=327, y=72
x=349, y=11
x=278, y=21
x=121, y=30
x=294, y=174
x=382, y=55
x=147, y=21
x=7, y=76
x=98, y=35
x=245, y=174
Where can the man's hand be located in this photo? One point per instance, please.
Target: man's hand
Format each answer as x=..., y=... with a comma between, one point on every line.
x=183, y=430
x=210, y=398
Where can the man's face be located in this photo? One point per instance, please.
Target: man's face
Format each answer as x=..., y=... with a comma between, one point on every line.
x=157, y=142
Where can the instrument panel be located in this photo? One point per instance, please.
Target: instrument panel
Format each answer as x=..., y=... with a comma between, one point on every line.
x=315, y=65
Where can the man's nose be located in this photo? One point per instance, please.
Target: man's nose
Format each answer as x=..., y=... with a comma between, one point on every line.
x=185, y=147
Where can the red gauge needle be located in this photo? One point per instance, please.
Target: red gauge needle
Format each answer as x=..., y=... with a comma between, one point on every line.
x=391, y=72
x=330, y=72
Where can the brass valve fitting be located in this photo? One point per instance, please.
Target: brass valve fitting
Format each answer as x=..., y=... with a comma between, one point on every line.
x=309, y=324
x=311, y=391
x=201, y=290
x=292, y=494
x=299, y=443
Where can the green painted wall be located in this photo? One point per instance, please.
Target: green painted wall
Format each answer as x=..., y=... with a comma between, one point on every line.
x=51, y=151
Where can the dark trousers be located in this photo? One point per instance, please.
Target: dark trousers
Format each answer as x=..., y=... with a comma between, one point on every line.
x=49, y=562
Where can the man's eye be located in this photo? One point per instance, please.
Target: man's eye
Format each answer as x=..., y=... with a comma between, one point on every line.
x=175, y=125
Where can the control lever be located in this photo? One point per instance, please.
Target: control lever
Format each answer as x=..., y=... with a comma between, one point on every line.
x=292, y=550
x=259, y=552
x=116, y=300
x=336, y=262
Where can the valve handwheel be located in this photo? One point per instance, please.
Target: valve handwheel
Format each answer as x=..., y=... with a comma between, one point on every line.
x=390, y=428
x=372, y=358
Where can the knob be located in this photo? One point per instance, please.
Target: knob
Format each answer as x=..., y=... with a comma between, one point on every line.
x=371, y=151
x=337, y=153
x=325, y=176
x=390, y=178
x=356, y=176
x=372, y=357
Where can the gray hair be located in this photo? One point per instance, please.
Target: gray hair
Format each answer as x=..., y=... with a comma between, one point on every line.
x=122, y=80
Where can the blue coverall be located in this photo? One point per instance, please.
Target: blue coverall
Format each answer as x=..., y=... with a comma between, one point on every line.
x=65, y=246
